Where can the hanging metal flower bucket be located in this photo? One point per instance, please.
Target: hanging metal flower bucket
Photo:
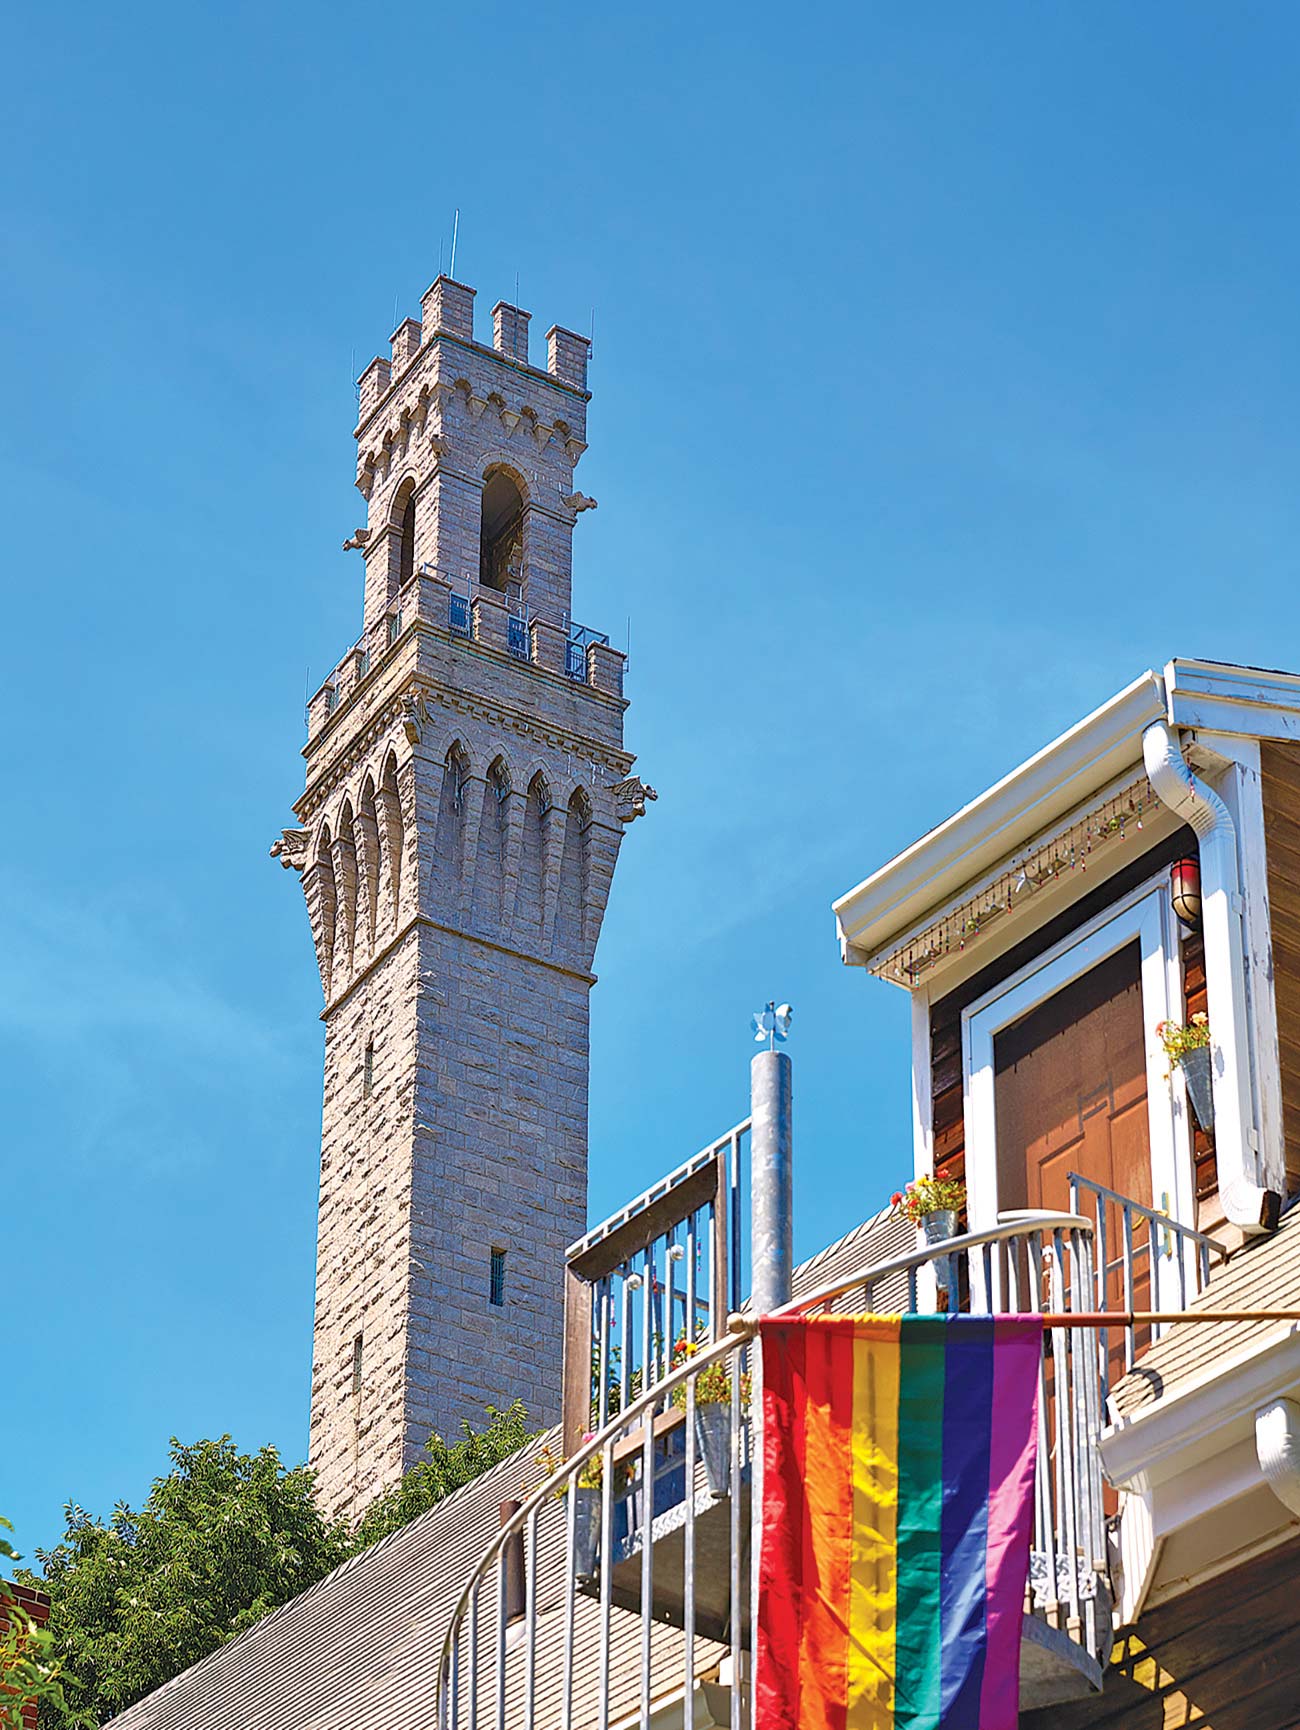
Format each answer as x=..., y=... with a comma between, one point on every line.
x=586, y=1531
x=713, y=1439
x=938, y=1227
x=1195, y=1066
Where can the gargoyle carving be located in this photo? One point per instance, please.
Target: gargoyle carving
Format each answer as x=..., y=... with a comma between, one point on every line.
x=630, y=798
x=438, y=444
x=358, y=539
x=291, y=849
x=578, y=502
x=412, y=718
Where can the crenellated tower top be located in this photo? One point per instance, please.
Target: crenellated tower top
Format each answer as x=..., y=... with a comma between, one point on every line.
x=465, y=456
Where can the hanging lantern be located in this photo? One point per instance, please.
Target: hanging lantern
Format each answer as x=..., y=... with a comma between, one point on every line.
x=1186, y=885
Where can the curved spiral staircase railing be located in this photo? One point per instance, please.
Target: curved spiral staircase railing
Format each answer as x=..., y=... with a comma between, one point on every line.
x=639, y=1551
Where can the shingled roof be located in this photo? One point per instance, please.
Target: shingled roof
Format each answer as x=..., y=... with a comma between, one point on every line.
x=361, y=1647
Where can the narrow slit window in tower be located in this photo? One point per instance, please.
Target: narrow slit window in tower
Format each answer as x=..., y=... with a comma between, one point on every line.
x=368, y=1074
x=356, y=1368
x=497, y=1278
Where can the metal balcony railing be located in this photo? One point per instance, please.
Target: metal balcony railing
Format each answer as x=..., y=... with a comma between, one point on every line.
x=666, y=1267
x=577, y=637
x=1156, y=1264
x=639, y=1550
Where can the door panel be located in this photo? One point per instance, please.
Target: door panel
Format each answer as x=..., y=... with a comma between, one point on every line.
x=1070, y=1094
x=1070, y=1090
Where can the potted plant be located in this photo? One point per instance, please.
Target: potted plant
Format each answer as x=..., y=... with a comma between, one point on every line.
x=586, y=1491
x=712, y=1414
x=933, y=1203
x=1188, y=1048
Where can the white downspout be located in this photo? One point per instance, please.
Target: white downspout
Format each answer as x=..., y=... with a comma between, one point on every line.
x=1277, y=1448
x=1245, y=1203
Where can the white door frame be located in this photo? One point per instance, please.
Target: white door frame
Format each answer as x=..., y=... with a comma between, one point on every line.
x=1147, y=915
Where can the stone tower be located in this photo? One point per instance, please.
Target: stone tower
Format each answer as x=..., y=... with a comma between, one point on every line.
x=466, y=793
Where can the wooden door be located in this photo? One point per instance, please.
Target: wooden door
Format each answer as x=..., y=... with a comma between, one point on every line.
x=1070, y=1091
x=1070, y=1094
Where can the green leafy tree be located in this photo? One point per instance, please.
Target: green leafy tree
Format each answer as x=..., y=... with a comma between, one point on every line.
x=448, y=1467
x=31, y=1669
x=223, y=1538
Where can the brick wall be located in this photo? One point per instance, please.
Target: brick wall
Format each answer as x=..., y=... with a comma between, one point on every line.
x=37, y=1606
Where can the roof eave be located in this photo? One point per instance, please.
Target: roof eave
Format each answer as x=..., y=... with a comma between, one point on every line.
x=1082, y=760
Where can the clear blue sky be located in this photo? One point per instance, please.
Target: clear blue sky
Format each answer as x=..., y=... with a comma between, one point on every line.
x=945, y=377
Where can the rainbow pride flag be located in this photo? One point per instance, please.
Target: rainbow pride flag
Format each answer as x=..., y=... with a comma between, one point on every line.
x=898, y=1497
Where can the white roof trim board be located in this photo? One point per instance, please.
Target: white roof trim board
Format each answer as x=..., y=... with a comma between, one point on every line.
x=938, y=869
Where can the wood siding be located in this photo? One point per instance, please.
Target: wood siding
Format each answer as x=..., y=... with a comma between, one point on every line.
x=945, y=1014
x=1224, y=1656
x=1280, y=774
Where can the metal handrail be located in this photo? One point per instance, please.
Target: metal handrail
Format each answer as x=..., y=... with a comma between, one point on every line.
x=656, y=1190
x=1157, y=1217
x=1195, y=1252
x=1022, y=1225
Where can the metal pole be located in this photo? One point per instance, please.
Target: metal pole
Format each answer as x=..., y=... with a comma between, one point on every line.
x=771, y=1189
x=1162, y=1318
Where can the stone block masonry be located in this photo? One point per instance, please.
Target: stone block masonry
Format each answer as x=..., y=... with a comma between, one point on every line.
x=466, y=798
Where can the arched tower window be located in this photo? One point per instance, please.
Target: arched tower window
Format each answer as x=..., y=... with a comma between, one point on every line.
x=406, y=562
x=571, y=902
x=449, y=845
x=531, y=904
x=490, y=858
x=501, y=543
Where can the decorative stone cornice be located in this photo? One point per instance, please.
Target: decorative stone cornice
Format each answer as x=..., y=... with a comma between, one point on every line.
x=384, y=721
x=413, y=705
x=390, y=437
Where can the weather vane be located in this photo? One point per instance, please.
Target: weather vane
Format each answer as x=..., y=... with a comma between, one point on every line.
x=772, y=1023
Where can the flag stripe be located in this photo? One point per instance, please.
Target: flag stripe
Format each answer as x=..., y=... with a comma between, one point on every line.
x=873, y=1580
x=920, y=1510
x=1017, y=1363
x=829, y=1420
x=784, y=1525
x=967, y=1409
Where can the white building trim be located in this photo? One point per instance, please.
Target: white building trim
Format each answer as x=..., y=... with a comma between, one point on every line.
x=1092, y=753
x=1251, y=701
x=1144, y=915
x=1192, y=1469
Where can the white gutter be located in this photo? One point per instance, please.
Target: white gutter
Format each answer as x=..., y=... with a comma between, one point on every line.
x=1095, y=751
x=1235, y=1134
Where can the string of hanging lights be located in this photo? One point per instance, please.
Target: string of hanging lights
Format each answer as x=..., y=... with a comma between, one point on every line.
x=1070, y=851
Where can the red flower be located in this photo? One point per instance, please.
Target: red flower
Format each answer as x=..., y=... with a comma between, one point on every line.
x=944, y=1173
x=895, y=1199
